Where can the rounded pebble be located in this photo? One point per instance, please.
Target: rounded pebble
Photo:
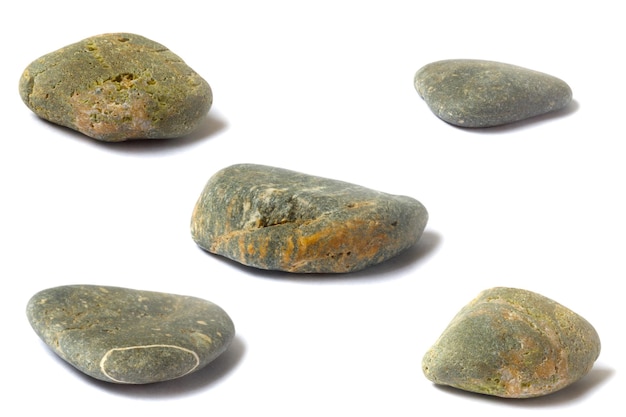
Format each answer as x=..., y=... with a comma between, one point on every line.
x=115, y=87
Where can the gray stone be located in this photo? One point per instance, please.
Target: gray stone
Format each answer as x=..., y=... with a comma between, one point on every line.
x=476, y=93
x=277, y=219
x=129, y=336
x=115, y=87
x=513, y=343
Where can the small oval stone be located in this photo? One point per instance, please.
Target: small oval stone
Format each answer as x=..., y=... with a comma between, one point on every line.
x=115, y=87
x=477, y=93
x=513, y=343
x=129, y=336
x=277, y=219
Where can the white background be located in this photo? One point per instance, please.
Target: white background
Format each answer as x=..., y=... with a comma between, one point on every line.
x=325, y=88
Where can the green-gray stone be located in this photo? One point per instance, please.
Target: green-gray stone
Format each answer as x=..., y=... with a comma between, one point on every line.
x=129, y=336
x=476, y=93
x=115, y=87
x=277, y=219
x=513, y=343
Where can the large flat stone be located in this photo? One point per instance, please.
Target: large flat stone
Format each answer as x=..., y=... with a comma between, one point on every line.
x=129, y=336
x=277, y=219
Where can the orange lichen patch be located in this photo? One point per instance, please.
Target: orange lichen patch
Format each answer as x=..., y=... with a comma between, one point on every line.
x=547, y=369
x=113, y=111
x=241, y=244
x=262, y=250
x=342, y=245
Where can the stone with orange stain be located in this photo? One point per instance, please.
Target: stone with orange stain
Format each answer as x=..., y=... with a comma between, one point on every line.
x=277, y=219
x=116, y=87
x=512, y=343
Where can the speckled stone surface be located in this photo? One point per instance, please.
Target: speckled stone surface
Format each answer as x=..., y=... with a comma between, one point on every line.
x=513, y=343
x=116, y=87
x=277, y=219
x=477, y=93
x=129, y=336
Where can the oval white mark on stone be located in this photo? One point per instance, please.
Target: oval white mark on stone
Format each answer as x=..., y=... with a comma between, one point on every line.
x=111, y=360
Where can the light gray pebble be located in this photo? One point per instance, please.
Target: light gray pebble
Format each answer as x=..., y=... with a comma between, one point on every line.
x=476, y=93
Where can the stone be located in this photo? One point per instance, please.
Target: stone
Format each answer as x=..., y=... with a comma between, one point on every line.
x=115, y=87
x=277, y=219
x=128, y=336
x=476, y=93
x=513, y=343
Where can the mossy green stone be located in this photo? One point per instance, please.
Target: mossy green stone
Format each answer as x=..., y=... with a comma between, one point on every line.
x=477, y=93
x=129, y=336
x=115, y=87
x=513, y=343
x=278, y=219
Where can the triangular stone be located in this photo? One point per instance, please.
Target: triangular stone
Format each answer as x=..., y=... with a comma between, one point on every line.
x=513, y=343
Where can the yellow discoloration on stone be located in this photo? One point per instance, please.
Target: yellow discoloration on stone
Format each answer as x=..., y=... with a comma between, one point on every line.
x=288, y=251
x=98, y=116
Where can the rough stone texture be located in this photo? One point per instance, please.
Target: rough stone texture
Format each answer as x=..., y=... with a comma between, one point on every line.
x=272, y=218
x=115, y=87
x=513, y=343
x=128, y=336
x=475, y=93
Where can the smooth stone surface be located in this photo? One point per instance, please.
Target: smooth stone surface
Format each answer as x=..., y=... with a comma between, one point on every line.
x=277, y=219
x=513, y=343
x=476, y=93
x=129, y=336
x=115, y=87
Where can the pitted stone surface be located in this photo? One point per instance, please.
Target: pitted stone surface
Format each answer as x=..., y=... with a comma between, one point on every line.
x=115, y=87
x=513, y=343
x=476, y=93
x=277, y=219
x=129, y=336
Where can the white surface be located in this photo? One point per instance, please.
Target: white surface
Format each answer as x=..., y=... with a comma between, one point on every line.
x=325, y=88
